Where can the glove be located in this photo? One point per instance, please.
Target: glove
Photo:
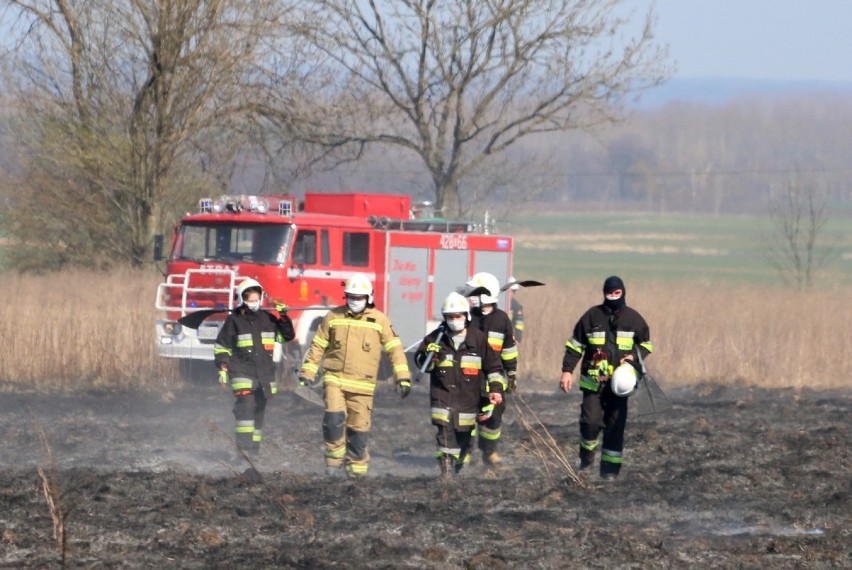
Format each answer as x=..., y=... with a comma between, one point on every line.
x=513, y=384
x=281, y=308
x=486, y=412
x=433, y=347
x=223, y=376
x=404, y=388
x=305, y=381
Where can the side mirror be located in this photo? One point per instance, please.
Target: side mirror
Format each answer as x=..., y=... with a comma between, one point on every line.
x=158, y=247
x=294, y=273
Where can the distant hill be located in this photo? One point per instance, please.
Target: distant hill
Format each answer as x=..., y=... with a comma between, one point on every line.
x=723, y=90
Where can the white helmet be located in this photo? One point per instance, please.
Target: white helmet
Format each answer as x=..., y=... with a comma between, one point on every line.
x=489, y=282
x=624, y=379
x=245, y=285
x=359, y=284
x=456, y=303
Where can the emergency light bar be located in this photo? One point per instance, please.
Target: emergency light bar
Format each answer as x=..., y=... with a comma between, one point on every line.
x=244, y=203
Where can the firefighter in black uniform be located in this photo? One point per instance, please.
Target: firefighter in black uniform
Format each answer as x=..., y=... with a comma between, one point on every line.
x=462, y=367
x=497, y=326
x=243, y=356
x=516, y=314
x=605, y=336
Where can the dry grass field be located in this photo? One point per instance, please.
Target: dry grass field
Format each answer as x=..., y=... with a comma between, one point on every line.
x=81, y=329
x=113, y=462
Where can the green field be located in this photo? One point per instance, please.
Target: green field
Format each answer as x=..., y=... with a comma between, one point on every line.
x=712, y=249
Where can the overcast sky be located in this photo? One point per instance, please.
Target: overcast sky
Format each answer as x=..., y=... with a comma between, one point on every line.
x=757, y=39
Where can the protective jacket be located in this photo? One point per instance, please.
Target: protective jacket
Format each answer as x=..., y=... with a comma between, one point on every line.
x=458, y=377
x=500, y=334
x=601, y=339
x=352, y=347
x=246, y=342
x=517, y=318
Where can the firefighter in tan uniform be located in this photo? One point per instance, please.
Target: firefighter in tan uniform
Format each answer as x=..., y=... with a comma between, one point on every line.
x=349, y=342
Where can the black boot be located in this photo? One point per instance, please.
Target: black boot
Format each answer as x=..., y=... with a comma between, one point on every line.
x=446, y=464
x=586, y=458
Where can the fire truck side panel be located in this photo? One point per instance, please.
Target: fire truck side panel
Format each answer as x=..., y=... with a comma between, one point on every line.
x=301, y=258
x=408, y=275
x=451, y=271
x=497, y=263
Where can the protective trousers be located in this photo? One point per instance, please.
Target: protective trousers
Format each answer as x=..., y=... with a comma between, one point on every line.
x=346, y=429
x=249, y=410
x=489, y=430
x=603, y=411
x=453, y=447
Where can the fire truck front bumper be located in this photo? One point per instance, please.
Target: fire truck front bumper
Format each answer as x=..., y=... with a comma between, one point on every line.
x=176, y=341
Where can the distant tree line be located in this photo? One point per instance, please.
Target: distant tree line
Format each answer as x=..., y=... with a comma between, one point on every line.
x=737, y=158
x=124, y=111
x=119, y=114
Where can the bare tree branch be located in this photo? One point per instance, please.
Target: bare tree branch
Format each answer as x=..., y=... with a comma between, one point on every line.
x=458, y=81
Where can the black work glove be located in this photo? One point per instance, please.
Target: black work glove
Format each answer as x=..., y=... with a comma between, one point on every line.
x=512, y=384
x=404, y=388
x=305, y=381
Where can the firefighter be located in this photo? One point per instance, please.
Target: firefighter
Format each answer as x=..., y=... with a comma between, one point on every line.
x=243, y=356
x=349, y=342
x=462, y=367
x=516, y=313
x=498, y=330
x=606, y=336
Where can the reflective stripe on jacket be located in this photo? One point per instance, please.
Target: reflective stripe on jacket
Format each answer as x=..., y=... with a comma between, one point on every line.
x=460, y=376
x=350, y=347
x=601, y=339
x=246, y=342
x=501, y=336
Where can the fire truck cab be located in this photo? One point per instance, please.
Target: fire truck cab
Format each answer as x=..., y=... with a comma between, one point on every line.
x=301, y=254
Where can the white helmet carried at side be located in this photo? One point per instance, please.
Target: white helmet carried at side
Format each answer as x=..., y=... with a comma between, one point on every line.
x=514, y=286
x=456, y=303
x=488, y=281
x=624, y=379
x=245, y=286
x=359, y=284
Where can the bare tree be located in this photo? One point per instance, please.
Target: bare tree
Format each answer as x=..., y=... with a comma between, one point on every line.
x=117, y=101
x=797, y=216
x=461, y=80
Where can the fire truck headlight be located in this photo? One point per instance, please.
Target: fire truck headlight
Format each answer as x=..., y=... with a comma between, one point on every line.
x=172, y=329
x=166, y=340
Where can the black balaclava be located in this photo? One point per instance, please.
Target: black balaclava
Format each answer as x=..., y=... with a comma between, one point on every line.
x=611, y=284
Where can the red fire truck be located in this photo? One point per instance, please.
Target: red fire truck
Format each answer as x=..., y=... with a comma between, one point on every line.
x=301, y=253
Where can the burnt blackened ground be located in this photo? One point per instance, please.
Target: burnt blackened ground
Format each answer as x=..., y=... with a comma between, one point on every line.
x=729, y=478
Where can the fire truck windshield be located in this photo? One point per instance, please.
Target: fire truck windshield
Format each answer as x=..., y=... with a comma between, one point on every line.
x=229, y=242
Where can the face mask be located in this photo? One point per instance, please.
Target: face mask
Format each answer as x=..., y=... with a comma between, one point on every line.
x=613, y=302
x=253, y=305
x=356, y=306
x=456, y=325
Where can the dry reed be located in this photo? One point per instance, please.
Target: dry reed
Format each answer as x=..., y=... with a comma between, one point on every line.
x=82, y=330
x=87, y=330
x=705, y=332
x=53, y=496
